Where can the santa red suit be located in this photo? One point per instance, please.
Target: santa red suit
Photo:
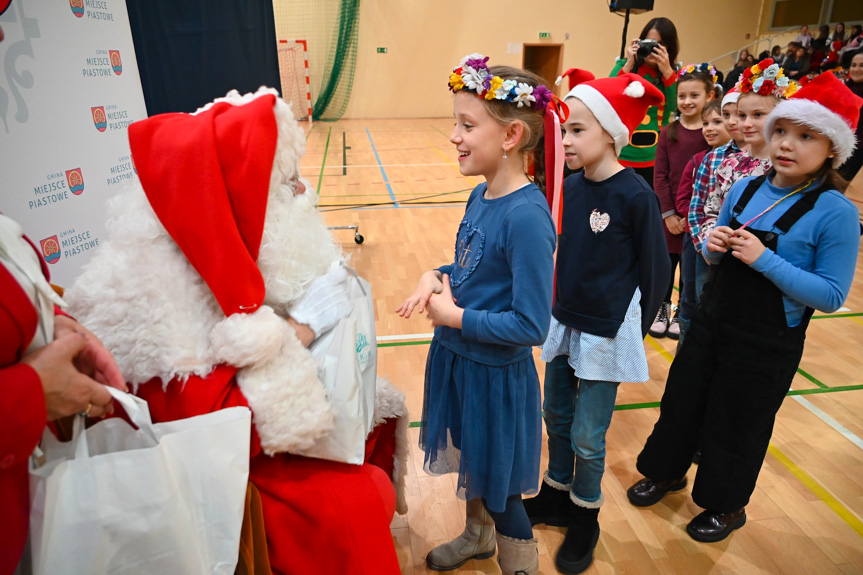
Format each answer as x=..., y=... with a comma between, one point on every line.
x=206, y=259
x=22, y=401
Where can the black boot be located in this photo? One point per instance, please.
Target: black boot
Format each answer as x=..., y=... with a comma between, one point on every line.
x=576, y=553
x=549, y=506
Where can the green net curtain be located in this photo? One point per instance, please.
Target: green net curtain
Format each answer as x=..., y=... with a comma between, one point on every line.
x=331, y=30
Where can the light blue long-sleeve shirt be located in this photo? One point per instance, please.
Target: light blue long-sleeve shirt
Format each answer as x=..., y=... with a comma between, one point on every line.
x=814, y=262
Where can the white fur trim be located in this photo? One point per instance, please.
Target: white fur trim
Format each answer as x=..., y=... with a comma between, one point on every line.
x=819, y=118
x=555, y=484
x=390, y=403
x=289, y=405
x=245, y=339
x=634, y=90
x=604, y=113
x=559, y=81
x=587, y=504
x=729, y=98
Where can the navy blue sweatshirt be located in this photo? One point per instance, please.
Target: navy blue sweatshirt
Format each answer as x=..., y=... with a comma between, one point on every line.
x=611, y=242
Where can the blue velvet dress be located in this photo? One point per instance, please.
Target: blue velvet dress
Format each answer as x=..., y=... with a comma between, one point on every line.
x=481, y=406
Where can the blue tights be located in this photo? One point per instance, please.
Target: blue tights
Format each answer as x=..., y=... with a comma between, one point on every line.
x=513, y=521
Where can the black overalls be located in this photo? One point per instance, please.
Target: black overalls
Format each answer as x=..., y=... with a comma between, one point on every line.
x=730, y=376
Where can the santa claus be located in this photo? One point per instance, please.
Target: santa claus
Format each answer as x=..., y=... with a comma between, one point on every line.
x=218, y=273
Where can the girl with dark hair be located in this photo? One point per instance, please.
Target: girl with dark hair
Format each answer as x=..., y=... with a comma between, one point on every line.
x=678, y=142
x=855, y=83
x=785, y=244
x=656, y=63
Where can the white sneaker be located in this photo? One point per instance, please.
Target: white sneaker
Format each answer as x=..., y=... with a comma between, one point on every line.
x=660, y=324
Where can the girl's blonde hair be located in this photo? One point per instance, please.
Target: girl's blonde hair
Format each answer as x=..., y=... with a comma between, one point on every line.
x=532, y=143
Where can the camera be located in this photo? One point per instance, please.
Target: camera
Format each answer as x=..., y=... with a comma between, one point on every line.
x=645, y=48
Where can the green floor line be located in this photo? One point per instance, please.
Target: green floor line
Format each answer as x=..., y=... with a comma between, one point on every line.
x=812, y=379
x=653, y=404
x=441, y=132
x=401, y=343
x=837, y=315
x=324, y=161
x=309, y=133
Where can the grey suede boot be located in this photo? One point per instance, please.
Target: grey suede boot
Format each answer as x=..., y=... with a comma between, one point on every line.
x=476, y=542
x=517, y=556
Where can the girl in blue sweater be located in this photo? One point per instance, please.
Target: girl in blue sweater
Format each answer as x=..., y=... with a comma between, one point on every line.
x=612, y=269
x=784, y=243
x=481, y=406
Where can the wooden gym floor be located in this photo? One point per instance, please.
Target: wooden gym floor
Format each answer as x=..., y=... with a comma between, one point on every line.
x=805, y=515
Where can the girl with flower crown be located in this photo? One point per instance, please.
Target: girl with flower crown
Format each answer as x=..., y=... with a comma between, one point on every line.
x=678, y=142
x=481, y=405
x=761, y=87
x=785, y=243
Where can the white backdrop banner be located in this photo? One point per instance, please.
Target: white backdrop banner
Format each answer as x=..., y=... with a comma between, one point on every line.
x=69, y=88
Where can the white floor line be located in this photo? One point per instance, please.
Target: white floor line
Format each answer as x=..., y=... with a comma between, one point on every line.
x=405, y=336
x=333, y=166
x=844, y=431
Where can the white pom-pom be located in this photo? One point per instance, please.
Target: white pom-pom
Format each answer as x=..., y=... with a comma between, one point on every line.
x=246, y=339
x=558, y=81
x=634, y=90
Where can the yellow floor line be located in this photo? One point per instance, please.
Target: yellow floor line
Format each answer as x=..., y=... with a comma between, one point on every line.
x=846, y=514
x=658, y=347
x=816, y=488
x=450, y=162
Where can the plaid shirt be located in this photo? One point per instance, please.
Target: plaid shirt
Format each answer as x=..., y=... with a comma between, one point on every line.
x=705, y=182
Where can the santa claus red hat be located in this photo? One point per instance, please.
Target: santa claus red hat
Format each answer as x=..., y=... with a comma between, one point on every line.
x=207, y=177
x=619, y=103
x=827, y=106
x=575, y=77
x=730, y=97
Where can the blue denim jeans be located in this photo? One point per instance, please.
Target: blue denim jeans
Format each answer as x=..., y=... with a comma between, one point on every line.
x=577, y=415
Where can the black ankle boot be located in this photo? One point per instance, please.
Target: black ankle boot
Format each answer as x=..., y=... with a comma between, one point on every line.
x=549, y=506
x=576, y=553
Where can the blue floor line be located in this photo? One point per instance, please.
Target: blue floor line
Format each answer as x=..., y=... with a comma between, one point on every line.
x=383, y=173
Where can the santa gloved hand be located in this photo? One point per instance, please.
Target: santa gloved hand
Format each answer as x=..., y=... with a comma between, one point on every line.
x=326, y=301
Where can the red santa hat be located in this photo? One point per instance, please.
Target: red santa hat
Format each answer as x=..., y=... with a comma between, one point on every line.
x=575, y=77
x=827, y=106
x=619, y=103
x=207, y=178
x=730, y=97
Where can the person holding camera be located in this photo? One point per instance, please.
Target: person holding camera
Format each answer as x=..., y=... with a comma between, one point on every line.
x=651, y=56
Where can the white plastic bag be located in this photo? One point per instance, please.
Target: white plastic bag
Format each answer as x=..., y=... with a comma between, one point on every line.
x=166, y=498
x=347, y=359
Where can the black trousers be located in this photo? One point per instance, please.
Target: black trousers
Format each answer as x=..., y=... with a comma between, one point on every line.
x=725, y=386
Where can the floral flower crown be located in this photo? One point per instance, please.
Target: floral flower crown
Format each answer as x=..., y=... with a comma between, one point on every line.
x=704, y=68
x=472, y=74
x=765, y=78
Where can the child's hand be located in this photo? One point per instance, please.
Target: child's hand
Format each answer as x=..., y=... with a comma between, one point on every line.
x=430, y=283
x=746, y=247
x=718, y=241
x=675, y=224
x=442, y=309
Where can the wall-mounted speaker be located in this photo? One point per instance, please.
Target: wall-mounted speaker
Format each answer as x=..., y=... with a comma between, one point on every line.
x=634, y=6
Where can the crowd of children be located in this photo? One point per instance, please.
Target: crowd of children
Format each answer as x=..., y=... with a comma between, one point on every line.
x=742, y=184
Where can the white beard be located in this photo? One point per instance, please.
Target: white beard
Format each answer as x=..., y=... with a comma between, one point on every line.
x=295, y=249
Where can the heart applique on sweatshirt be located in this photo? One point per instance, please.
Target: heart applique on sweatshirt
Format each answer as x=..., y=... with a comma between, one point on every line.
x=598, y=221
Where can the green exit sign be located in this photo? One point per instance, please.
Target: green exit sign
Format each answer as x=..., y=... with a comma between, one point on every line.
x=545, y=34
x=382, y=50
